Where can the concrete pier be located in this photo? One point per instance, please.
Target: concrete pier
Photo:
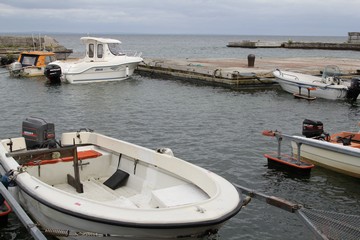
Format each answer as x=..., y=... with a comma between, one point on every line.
x=296, y=45
x=236, y=74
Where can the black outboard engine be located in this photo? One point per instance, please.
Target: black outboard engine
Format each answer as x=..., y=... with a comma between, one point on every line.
x=38, y=133
x=312, y=128
x=53, y=73
x=354, y=89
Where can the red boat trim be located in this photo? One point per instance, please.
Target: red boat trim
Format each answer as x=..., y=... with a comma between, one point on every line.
x=7, y=211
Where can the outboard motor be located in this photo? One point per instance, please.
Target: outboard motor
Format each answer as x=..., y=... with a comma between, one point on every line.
x=53, y=73
x=38, y=133
x=354, y=89
x=15, y=69
x=312, y=128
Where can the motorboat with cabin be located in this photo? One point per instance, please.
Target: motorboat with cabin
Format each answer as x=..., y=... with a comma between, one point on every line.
x=104, y=61
x=329, y=86
x=31, y=64
x=104, y=187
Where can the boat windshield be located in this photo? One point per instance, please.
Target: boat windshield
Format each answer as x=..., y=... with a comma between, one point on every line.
x=331, y=71
x=115, y=49
x=27, y=60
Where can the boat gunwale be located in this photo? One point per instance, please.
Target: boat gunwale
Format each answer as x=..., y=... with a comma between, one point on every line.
x=212, y=220
x=87, y=217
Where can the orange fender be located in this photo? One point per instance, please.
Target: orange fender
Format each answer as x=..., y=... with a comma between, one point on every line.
x=269, y=133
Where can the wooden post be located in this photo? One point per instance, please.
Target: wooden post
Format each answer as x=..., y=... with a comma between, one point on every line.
x=75, y=182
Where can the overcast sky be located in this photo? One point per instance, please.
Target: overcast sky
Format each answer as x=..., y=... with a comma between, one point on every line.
x=231, y=17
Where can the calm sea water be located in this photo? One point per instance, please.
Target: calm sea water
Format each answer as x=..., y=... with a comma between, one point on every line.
x=213, y=127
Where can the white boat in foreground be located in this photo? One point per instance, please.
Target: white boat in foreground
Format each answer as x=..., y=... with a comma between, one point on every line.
x=339, y=152
x=104, y=187
x=103, y=61
x=328, y=86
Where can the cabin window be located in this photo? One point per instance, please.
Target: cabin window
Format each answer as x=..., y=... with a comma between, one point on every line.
x=91, y=50
x=115, y=49
x=29, y=60
x=100, y=50
x=49, y=59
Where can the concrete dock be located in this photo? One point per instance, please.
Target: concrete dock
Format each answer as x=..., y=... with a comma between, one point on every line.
x=236, y=73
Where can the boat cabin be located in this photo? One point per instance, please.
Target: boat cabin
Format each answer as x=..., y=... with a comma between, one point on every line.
x=36, y=58
x=101, y=49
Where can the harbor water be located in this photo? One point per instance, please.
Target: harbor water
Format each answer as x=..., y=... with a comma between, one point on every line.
x=216, y=128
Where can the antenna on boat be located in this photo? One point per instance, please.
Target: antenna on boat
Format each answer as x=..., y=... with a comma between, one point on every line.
x=32, y=35
x=39, y=42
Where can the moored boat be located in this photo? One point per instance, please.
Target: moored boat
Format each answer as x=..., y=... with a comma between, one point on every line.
x=31, y=64
x=328, y=86
x=104, y=61
x=339, y=152
x=101, y=186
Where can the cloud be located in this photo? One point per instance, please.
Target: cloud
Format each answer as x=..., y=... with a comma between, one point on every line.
x=300, y=17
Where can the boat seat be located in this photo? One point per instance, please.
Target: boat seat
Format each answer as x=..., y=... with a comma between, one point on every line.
x=81, y=155
x=117, y=180
x=177, y=195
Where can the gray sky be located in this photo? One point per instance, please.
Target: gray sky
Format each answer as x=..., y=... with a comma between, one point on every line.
x=233, y=17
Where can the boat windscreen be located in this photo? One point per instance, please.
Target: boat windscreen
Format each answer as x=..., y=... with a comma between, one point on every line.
x=331, y=71
x=27, y=60
x=115, y=49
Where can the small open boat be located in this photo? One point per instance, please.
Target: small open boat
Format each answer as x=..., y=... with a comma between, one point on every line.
x=339, y=152
x=104, y=61
x=328, y=86
x=102, y=186
x=31, y=64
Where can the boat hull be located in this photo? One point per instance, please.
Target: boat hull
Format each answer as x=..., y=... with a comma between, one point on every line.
x=309, y=85
x=101, y=74
x=163, y=197
x=334, y=160
x=58, y=223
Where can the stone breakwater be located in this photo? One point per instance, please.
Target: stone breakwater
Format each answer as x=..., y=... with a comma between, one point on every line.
x=296, y=45
x=11, y=46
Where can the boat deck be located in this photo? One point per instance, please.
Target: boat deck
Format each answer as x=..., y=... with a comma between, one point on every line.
x=94, y=189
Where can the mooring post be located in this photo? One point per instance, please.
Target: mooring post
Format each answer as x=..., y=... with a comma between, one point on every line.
x=279, y=138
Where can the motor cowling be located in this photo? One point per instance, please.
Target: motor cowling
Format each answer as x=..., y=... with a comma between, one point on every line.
x=38, y=133
x=354, y=89
x=15, y=69
x=312, y=128
x=53, y=73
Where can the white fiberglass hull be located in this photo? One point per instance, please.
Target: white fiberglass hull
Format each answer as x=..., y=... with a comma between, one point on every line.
x=291, y=82
x=27, y=72
x=96, y=72
x=332, y=156
x=163, y=197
